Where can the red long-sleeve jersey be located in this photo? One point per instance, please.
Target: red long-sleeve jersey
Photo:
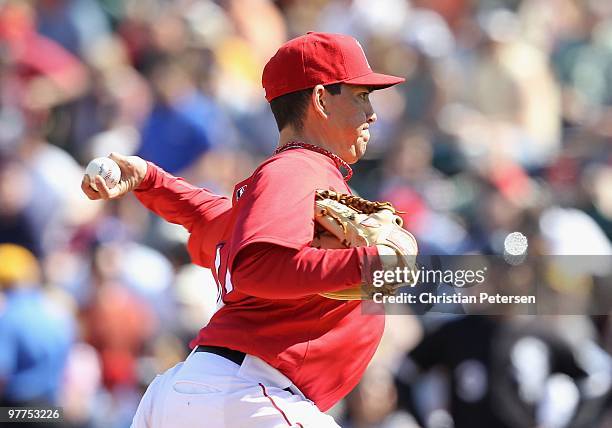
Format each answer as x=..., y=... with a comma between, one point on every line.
x=268, y=277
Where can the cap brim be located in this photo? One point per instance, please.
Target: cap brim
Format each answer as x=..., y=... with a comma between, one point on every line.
x=377, y=80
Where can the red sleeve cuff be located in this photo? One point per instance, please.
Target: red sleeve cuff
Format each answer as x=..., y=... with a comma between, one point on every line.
x=369, y=262
x=149, y=178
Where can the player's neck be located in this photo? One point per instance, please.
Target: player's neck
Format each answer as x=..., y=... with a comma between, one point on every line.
x=289, y=135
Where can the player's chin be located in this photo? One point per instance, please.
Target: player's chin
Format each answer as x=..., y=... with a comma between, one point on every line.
x=360, y=148
x=355, y=151
x=352, y=155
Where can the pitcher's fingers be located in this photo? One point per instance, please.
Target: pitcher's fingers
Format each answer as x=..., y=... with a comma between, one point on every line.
x=121, y=160
x=103, y=190
x=88, y=190
x=112, y=193
x=120, y=188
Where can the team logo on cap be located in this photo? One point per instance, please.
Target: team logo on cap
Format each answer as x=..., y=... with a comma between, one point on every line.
x=363, y=53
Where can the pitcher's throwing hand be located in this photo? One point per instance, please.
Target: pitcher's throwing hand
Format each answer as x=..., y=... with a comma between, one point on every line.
x=133, y=170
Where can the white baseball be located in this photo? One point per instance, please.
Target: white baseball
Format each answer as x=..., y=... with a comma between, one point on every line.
x=106, y=168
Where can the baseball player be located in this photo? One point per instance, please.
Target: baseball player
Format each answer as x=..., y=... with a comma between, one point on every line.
x=276, y=353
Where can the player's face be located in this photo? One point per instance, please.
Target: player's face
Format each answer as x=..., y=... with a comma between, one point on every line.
x=350, y=115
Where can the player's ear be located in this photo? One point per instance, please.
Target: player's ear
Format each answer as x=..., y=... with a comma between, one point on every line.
x=319, y=100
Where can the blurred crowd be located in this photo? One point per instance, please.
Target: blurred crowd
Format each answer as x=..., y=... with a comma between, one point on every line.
x=504, y=124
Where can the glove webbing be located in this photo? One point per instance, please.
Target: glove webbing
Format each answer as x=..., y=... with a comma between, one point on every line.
x=359, y=204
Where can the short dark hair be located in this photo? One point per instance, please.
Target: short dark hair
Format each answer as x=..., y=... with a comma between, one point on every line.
x=289, y=109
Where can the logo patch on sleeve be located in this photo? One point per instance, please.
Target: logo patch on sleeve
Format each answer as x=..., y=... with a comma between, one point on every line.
x=240, y=192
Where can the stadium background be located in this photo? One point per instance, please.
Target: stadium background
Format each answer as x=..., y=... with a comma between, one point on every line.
x=504, y=124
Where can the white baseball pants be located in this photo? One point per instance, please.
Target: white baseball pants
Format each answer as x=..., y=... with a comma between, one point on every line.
x=207, y=390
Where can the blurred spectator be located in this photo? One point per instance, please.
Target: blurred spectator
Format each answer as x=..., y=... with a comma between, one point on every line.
x=508, y=372
x=36, y=333
x=184, y=123
x=75, y=24
x=373, y=402
x=117, y=321
x=51, y=73
x=17, y=223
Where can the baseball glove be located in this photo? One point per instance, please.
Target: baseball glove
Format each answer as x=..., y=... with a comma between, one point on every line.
x=344, y=221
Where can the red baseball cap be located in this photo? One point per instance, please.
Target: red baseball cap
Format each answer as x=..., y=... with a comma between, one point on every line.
x=320, y=58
